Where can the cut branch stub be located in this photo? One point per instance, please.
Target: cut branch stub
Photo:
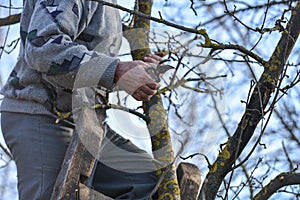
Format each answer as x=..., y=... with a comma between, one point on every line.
x=189, y=180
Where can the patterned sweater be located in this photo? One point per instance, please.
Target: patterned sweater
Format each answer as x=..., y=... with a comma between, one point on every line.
x=65, y=45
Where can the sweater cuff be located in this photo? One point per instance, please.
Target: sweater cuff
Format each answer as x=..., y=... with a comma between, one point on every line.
x=99, y=71
x=107, y=78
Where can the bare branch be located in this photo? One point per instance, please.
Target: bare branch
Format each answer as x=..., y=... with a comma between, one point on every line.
x=242, y=49
x=10, y=20
x=283, y=179
x=149, y=17
x=6, y=152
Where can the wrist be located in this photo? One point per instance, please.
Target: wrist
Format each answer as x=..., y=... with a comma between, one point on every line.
x=117, y=75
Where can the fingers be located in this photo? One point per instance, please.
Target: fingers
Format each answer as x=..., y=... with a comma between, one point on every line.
x=153, y=86
x=147, y=90
x=141, y=96
x=160, y=54
x=152, y=58
x=144, y=93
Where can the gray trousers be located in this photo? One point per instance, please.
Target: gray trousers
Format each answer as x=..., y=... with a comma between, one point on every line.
x=38, y=146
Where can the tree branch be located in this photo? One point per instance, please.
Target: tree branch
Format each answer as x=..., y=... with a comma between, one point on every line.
x=283, y=179
x=149, y=17
x=10, y=20
x=252, y=115
x=6, y=152
x=241, y=49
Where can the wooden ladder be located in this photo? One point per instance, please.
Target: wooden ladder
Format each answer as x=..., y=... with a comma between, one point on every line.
x=72, y=181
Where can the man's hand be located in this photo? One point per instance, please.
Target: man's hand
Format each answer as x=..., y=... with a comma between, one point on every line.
x=133, y=78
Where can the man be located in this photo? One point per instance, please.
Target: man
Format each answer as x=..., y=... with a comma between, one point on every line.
x=66, y=44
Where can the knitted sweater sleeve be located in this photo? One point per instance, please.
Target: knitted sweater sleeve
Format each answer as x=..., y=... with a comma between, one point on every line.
x=49, y=46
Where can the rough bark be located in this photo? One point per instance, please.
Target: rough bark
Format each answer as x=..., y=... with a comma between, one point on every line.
x=10, y=20
x=283, y=179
